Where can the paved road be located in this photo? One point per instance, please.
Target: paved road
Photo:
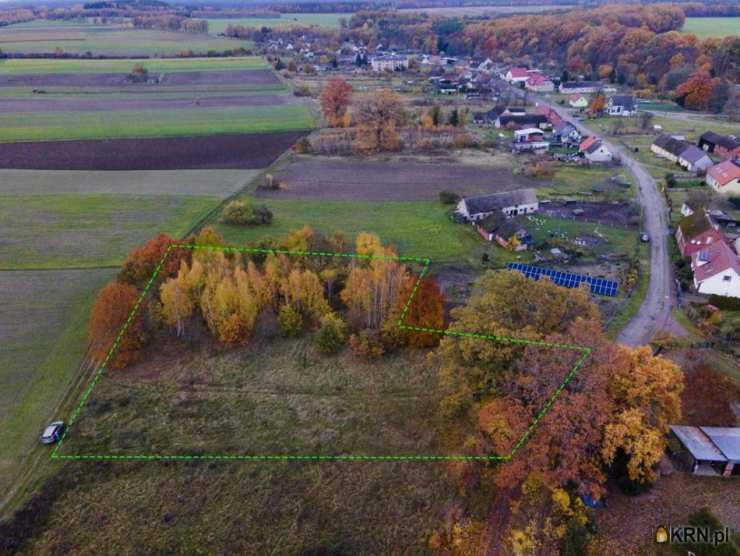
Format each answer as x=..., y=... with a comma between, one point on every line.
x=655, y=312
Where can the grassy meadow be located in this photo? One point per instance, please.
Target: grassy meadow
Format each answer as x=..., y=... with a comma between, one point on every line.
x=707, y=27
x=327, y=20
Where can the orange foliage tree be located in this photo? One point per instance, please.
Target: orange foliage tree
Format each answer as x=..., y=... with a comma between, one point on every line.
x=141, y=261
x=335, y=99
x=696, y=92
x=109, y=313
x=426, y=310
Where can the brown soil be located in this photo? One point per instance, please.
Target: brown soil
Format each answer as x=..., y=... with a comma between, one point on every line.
x=44, y=104
x=363, y=180
x=237, y=151
x=228, y=77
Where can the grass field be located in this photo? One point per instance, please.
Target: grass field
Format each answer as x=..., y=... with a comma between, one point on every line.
x=68, y=230
x=39, y=66
x=80, y=38
x=59, y=126
x=43, y=334
x=705, y=27
x=576, y=181
x=327, y=20
x=416, y=228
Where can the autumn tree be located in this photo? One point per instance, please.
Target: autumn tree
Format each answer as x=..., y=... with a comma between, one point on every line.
x=708, y=397
x=646, y=392
x=696, y=93
x=597, y=105
x=426, y=310
x=141, y=262
x=113, y=305
x=378, y=119
x=335, y=99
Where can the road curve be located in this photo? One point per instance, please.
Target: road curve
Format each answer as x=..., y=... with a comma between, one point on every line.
x=655, y=312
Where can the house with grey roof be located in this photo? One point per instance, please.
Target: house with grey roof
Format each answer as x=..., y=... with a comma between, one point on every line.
x=509, y=203
x=621, y=105
x=707, y=450
x=694, y=159
x=669, y=147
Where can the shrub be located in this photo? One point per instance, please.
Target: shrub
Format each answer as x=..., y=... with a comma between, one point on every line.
x=303, y=146
x=725, y=303
x=448, y=197
x=331, y=336
x=139, y=74
x=240, y=214
x=302, y=91
x=290, y=321
x=367, y=344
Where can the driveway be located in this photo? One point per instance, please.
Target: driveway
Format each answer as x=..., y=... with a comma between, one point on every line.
x=655, y=312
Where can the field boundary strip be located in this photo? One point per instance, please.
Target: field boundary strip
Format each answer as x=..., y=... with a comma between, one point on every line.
x=426, y=262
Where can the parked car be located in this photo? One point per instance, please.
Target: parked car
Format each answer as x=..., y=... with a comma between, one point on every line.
x=644, y=238
x=53, y=432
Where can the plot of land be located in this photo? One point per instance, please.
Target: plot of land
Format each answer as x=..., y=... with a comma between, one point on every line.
x=18, y=66
x=327, y=20
x=42, y=331
x=705, y=27
x=66, y=230
x=43, y=105
x=209, y=183
x=346, y=180
x=213, y=151
x=81, y=38
x=213, y=78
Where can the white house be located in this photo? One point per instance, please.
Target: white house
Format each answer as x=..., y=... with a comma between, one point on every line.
x=594, y=150
x=717, y=270
x=389, y=62
x=724, y=177
x=578, y=100
x=585, y=87
x=539, y=83
x=529, y=139
x=621, y=105
x=510, y=203
x=517, y=75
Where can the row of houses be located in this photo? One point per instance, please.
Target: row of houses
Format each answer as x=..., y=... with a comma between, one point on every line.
x=715, y=263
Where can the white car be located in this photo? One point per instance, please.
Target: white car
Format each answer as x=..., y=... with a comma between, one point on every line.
x=53, y=432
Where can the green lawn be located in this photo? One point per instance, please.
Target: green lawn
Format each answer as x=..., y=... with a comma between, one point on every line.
x=59, y=126
x=614, y=240
x=416, y=228
x=327, y=20
x=17, y=66
x=574, y=181
x=78, y=230
x=705, y=27
x=43, y=334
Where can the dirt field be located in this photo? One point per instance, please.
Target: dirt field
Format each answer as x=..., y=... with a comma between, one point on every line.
x=41, y=103
x=239, y=77
x=217, y=183
x=209, y=152
x=615, y=214
x=398, y=180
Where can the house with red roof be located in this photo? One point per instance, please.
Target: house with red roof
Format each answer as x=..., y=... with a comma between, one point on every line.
x=717, y=270
x=724, y=177
x=578, y=100
x=594, y=150
x=517, y=75
x=696, y=232
x=539, y=83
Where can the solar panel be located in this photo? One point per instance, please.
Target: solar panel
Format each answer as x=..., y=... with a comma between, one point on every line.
x=598, y=286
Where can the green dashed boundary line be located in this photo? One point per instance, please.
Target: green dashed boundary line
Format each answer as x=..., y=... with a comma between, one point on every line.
x=425, y=262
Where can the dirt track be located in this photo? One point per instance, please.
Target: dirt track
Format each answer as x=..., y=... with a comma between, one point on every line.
x=360, y=180
x=44, y=104
x=186, y=153
x=225, y=77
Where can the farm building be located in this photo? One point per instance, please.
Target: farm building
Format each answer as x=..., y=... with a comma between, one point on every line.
x=722, y=145
x=578, y=100
x=584, y=87
x=621, y=105
x=724, y=177
x=509, y=233
x=518, y=121
x=696, y=232
x=669, y=147
x=389, y=62
x=539, y=83
x=694, y=159
x=510, y=203
x=594, y=150
x=517, y=75
x=716, y=270
x=529, y=139
x=708, y=450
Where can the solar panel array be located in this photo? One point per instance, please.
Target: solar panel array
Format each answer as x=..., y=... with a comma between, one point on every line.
x=599, y=286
